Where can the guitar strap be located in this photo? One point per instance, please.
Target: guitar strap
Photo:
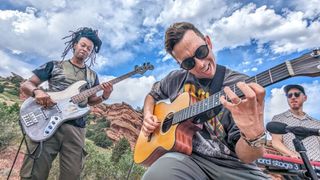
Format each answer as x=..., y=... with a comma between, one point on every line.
x=90, y=77
x=216, y=84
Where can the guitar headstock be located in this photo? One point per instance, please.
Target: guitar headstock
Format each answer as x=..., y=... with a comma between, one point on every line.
x=307, y=65
x=143, y=68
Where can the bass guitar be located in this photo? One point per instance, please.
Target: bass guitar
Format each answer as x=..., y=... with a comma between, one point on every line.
x=177, y=125
x=41, y=123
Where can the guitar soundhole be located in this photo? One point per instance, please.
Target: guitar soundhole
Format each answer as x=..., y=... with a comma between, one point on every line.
x=167, y=123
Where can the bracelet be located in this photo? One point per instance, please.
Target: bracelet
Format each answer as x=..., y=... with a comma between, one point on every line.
x=103, y=98
x=35, y=89
x=259, y=141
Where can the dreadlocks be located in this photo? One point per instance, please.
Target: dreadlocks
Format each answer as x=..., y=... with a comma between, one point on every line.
x=75, y=37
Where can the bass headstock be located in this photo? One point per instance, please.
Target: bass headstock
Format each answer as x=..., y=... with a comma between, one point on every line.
x=143, y=68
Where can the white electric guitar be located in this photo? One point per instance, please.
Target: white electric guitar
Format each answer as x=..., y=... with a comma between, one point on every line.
x=41, y=123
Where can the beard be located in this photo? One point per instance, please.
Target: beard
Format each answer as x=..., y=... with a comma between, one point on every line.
x=81, y=56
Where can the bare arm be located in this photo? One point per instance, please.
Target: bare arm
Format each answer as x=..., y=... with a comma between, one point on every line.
x=247, y=153
x=30, y=88
x=150, y=122
x=277, y=143
x=30, y=85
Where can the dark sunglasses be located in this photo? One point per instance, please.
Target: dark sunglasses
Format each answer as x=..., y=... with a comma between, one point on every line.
x=190, y=62
x=295, y=94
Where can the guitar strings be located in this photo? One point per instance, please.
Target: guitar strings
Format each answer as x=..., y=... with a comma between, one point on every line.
x=275, y=73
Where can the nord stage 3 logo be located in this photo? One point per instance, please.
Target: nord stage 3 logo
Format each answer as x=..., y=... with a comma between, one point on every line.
x=278, y=164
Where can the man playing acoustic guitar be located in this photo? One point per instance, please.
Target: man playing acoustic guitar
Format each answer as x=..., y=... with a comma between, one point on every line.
x=68, y=140
x=227, y=143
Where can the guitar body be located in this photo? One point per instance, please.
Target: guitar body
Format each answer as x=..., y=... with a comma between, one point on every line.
x=40, y=124
x=167, y=137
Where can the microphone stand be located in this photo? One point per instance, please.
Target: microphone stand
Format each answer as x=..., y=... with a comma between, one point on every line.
x=302, y=151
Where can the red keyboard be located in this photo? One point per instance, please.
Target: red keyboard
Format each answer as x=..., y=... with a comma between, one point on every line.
x=283, y=162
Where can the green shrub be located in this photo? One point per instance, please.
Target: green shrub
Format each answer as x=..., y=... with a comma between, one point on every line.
x=119, y=149
x=1, y=88
x=99, y=166
x=101, y=139
x=14, y=91
x=9, y=128
x=95, y=131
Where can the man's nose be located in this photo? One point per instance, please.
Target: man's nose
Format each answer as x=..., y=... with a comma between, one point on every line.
x=199, y=62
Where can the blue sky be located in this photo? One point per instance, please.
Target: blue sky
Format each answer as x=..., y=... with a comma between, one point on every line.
x=248, y=36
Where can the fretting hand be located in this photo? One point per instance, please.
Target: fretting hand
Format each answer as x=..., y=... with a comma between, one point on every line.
x=107, y=89
x=247, y=112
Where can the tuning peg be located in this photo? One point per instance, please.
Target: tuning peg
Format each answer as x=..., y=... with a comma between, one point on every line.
x=315, y=52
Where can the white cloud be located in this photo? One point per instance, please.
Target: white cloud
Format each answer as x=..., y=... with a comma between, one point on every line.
x=286, y=33
x=10, y=64
x=131, y=91
x=254, y=69
x=277, y=103
x=38, y=30
x=311, y=8
x=199, y=12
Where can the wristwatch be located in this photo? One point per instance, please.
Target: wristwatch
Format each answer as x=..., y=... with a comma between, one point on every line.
x=260, y=141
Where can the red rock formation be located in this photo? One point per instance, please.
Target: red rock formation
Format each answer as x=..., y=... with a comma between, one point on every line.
x=124, y=121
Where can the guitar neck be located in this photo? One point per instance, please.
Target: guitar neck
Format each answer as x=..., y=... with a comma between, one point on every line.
x=89, y=92
x=266, y=78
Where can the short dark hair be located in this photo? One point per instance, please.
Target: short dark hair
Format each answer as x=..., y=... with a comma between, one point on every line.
x=77, y=35
x=291, y=86
x=176, y=32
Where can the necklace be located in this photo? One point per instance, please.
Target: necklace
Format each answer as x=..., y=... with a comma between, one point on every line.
x=205, y=84
x=76, y=72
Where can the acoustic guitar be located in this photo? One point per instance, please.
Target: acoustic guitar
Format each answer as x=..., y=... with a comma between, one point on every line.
x=178, y=119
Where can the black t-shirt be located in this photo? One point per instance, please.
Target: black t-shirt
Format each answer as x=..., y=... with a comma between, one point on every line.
x=213, y=142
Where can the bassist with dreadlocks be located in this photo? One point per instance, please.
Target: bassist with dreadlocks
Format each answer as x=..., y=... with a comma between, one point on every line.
x=68, y=140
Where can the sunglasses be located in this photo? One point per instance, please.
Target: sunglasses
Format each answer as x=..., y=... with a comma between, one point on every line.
x=190, y=62
x=295, y=94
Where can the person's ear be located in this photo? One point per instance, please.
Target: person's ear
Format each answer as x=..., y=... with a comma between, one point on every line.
x=305, y=97
x=208, y=41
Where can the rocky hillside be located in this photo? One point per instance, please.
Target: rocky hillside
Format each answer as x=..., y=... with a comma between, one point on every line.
x=9, y=89
x=124, y=121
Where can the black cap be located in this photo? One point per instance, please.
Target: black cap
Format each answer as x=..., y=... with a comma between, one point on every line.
x=291, y=86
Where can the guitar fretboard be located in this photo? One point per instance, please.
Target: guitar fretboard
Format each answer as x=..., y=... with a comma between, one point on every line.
x=266, y=78
x=89, y=92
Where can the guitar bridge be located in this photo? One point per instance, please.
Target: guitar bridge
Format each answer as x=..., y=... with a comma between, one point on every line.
x=29, y=119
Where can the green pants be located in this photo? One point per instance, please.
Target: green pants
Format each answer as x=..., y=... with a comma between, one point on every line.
x=68, y=141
